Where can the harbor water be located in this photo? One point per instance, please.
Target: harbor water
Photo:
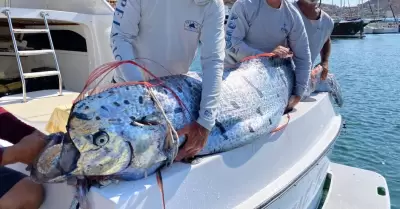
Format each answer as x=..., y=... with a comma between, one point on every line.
x=369, y=73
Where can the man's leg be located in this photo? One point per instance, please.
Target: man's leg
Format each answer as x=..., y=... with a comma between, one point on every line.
x=17, y=191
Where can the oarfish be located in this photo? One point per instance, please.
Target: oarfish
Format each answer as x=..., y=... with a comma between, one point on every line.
x=330, y=84
x=127, y=131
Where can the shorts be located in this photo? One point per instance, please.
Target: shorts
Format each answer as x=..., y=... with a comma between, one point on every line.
x=9, y=178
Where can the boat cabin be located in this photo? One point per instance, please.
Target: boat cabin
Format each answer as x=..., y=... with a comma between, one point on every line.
x=77, y=27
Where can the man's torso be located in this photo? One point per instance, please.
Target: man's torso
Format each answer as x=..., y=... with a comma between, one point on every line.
x=269, y=27
x=318, y=31
x=168, y=35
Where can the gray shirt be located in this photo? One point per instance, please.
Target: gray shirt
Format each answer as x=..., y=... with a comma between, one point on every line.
x=318, y=31
x=164, y=36
x=254, y=27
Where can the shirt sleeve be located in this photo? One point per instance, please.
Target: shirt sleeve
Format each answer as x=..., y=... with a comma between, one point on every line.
x=298, y=42
x=125, y=28
x=236, y=29
x=331, y=25
x=212, y=62
x=11, y=128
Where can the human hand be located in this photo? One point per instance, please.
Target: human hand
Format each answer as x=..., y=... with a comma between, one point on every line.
x=30, y=147
x=282, y=52
x=196, y=139
x=293, y=101
x=325, y=70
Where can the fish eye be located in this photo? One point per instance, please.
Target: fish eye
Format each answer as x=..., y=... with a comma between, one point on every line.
x=100, y=138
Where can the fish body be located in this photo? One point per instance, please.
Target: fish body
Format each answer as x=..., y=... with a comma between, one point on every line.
x=330, y=84
x=121, y=133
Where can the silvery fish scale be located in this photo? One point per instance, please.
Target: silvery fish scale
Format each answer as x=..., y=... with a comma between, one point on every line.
x=119, y=133
x=253, y=99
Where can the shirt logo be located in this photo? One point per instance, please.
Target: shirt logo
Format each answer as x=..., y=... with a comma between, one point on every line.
x=192, y=26
x=229, y=30
x=208, y=114
x=284, y=29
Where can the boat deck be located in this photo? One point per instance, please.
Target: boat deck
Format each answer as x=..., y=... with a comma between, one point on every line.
x=37, y=111
x=354, y=188
x=272, y=183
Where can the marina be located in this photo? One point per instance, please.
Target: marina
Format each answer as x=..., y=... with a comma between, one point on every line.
x=310, y=164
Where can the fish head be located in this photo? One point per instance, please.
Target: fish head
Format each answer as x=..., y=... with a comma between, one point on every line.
x=89, y=148
x=102, y=149
x=106, y=134
x=112, y=133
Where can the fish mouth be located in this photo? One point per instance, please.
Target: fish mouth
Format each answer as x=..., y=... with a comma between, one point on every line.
x=56, y=161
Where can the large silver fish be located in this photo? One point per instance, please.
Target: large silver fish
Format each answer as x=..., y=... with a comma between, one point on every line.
x=121, y=133
x=330, y=84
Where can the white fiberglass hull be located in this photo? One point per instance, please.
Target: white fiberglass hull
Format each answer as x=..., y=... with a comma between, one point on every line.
x=283, y=170
x=368, y=30
x=385, y=30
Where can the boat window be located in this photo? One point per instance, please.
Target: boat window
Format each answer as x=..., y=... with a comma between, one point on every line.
x=62, y=40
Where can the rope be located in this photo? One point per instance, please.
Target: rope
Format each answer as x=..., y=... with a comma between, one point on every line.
x=172, y=134
x=161, y=187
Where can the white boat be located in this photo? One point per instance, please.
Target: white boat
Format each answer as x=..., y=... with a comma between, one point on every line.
x=368, y=29
x=384, y=30
x=288, y=169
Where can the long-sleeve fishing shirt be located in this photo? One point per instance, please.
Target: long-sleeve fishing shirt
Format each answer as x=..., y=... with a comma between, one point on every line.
x=318, y=31
x=164, y=36
x=254, y=27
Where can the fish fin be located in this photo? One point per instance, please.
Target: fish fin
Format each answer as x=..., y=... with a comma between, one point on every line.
x=161, y=186
x=100, y=73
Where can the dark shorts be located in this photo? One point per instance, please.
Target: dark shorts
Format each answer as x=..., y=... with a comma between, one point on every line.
x=8, y=178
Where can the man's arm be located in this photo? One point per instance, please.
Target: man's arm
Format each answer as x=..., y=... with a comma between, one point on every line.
x=212, y=61
x=326, y=51
x=125, y=27
x=298, y=42
x=236, y=29
x=11, y=128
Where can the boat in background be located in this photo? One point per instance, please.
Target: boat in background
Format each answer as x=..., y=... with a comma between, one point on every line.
x=348, y=28
x=286, y=169
x=381, y=27
x=386, y=27
x=368, y=30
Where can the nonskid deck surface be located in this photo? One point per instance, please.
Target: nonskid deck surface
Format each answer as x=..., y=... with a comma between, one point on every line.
x=354, y=188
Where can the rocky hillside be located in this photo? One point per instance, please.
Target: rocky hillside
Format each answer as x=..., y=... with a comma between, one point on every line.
x=369, y=9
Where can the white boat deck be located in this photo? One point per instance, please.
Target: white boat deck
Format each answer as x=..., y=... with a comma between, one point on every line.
x=274, y=162
x=354, y=188
x=271, y=183
x=40, y=106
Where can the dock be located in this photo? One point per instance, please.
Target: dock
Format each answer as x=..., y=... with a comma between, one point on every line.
x=355, y=188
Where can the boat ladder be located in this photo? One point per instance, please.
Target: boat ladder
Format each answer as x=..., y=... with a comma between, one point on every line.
x=19, y=53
